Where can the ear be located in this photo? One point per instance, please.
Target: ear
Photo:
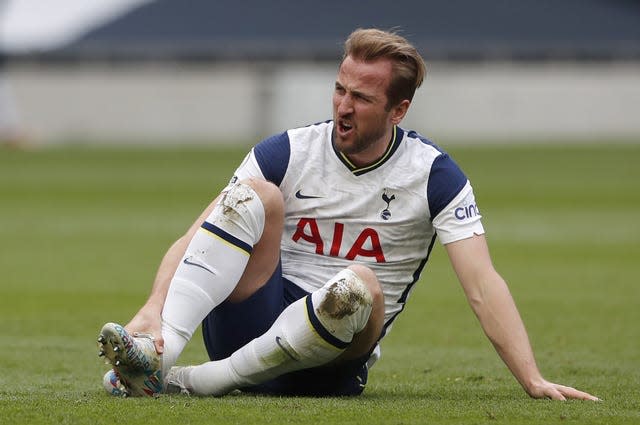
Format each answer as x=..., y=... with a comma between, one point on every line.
x=399, y=111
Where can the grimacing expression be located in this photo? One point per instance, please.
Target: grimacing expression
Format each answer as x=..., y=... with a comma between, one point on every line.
x=362, y=121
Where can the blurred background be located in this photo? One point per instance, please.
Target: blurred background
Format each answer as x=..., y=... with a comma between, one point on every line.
x=82, y=229
x=216, y=72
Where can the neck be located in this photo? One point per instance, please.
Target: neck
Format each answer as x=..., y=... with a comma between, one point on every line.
x=373, y=152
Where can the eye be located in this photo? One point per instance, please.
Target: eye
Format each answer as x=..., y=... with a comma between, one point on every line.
x=362, y=97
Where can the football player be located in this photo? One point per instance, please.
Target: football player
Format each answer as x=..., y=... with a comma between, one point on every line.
x=298, y=269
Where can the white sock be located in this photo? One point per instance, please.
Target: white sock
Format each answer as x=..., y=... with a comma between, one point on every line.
x=211, y=267
x=310, y=332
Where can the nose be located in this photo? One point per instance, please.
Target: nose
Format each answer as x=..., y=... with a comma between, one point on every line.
x=344, y=104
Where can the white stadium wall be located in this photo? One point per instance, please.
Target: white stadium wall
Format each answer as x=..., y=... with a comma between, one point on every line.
x=225, y=103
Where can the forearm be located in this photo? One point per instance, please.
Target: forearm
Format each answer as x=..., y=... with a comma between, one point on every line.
x=501, y=322
x=149, y=318
x=165, y=273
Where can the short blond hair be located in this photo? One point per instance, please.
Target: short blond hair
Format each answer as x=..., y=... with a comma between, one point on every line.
x=409, y=68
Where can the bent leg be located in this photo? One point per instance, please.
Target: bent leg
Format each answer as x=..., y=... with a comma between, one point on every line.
x=312, y=331
x=230, y=249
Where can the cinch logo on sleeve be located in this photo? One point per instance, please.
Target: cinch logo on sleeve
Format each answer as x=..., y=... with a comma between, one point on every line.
x=469, y=211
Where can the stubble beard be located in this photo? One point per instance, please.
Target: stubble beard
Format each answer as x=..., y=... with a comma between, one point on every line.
x=360, y=142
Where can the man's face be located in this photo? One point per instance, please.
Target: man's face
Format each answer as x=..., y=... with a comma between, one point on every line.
x=362, y=123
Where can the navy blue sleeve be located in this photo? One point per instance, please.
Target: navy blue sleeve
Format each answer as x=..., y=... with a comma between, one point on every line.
x=272, y=155
x=446, y=180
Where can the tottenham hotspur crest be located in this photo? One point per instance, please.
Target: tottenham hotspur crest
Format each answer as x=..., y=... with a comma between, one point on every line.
x=386, y=214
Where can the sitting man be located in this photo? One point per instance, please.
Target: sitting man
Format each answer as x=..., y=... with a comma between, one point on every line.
x=298, y=269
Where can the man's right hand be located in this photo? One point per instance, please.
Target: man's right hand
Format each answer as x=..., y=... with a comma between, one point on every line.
x=149, y=321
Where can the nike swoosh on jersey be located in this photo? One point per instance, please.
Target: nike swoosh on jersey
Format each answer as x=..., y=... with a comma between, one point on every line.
x=190, y=262
x=299, y=195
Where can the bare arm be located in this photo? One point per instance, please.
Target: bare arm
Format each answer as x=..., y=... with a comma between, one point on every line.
x=149, y=318
x=492, y=303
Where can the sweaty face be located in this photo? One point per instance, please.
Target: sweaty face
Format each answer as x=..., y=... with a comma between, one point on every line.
x=362, y=124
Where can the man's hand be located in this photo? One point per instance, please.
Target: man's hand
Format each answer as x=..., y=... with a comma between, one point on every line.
x=148, y=320
x=553, y=391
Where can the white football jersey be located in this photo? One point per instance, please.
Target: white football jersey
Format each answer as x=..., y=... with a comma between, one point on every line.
x=385, y=215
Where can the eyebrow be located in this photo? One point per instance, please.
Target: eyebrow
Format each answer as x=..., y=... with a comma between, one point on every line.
x=357, y=93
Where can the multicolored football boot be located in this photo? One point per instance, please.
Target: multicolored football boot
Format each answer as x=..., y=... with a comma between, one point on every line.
x=135, y=362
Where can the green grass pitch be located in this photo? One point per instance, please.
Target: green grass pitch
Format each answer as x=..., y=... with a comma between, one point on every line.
x=82, y=231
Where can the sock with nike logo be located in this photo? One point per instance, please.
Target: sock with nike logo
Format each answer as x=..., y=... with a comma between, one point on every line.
x=308, y=333
x=211, y=267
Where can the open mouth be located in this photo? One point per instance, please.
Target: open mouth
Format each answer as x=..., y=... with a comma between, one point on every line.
x=344, y=126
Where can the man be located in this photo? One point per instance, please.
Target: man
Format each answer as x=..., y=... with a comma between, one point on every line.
x=299, y=268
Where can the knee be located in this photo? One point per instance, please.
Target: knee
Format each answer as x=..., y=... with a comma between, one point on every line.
x=269, y=194
x=245, y=209
x=354, y=295
x=370, y=281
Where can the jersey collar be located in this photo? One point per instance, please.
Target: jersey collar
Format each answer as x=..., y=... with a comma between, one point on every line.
x=396, y=138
